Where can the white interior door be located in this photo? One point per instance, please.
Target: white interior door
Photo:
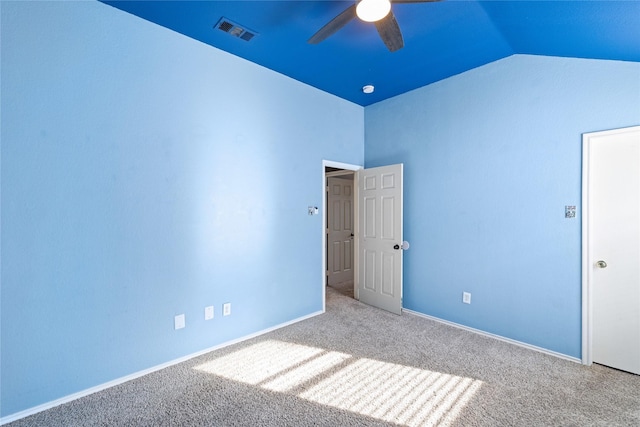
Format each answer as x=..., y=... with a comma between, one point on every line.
x=613, y=247
x=380, y=237
x=339, y=230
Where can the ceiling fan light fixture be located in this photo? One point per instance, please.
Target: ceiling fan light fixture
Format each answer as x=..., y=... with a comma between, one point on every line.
x=373, y=10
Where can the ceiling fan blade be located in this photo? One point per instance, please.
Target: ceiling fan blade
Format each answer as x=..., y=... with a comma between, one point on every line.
x=389, y=31
x=334, y=25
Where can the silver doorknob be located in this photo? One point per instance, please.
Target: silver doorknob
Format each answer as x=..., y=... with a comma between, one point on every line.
x=601, y=264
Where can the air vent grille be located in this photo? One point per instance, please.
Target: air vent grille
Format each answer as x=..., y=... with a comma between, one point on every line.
x=235, y=30
x=247, y=36
x=225, y=26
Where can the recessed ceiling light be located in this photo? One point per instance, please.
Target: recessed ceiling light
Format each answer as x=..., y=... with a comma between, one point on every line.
x=368, y=89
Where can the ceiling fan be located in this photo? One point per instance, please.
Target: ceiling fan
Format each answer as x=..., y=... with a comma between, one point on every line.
x=377, y=11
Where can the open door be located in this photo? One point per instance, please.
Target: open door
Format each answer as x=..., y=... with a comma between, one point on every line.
x=380, y=237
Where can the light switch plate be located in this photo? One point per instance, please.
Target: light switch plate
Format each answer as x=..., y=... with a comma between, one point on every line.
x=208, y=313
x=569, y=211
x=179, y=321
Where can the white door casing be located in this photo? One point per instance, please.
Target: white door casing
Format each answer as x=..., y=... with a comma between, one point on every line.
x=611, y=248
x=339, y=229
x=380, y=237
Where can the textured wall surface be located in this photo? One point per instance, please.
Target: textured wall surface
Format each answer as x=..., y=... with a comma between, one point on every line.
x=146, y=175
x=492, y=157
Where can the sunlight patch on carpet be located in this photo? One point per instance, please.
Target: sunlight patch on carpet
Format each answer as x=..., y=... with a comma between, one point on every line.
x=386, y=391
x=260, y=362
x=395, y=393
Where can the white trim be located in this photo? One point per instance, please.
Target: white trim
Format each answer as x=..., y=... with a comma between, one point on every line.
x=339, y=165
x=587, y=358
x=31, y=411
x=494, y=336
x=323, y=275
x=340, y=173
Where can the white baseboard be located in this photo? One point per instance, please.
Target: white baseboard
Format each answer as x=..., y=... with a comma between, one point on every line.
x=22, y=414
x=497, y=337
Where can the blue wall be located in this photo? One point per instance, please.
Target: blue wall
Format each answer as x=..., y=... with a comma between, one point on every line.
x=145, y=175
x=492, y=156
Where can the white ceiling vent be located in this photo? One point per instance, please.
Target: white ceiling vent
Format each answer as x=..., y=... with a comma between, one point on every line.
x=235, y=30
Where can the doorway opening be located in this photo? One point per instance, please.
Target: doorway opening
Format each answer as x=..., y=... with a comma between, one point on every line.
x=374, y=236
x=340, y=231
x=339, y=227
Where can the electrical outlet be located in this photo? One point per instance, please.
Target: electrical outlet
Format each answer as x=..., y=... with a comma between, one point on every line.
x=179, y=322
x=226, y=309
x=208, y=313
x=466, y=297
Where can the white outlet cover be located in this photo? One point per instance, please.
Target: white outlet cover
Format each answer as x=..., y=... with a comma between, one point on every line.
x=179, y=321
x=226, y=309
x=466, y=297
x=208, y=313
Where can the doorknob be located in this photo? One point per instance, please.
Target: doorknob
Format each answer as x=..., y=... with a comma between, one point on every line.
x=601, y=264
x=404, y=246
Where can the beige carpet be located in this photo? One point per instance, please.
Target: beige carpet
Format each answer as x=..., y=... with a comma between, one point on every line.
x=345, y=288
x=359, y=366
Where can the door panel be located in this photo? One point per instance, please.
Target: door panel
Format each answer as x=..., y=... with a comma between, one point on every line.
x=336, y=265
x=369, y=270
x=380, y=226
x=388, y=219
x=348, y=257
x=614, y=237
x=347, y=212
x=388, y=273
x=369, y=217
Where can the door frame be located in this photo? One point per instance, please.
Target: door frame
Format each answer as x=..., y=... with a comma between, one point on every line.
x=354, y=169
x=587, y=295
x=586, y=356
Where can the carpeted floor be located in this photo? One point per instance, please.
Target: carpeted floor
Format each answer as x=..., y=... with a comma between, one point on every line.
x=345, y=288
x=359, y=366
